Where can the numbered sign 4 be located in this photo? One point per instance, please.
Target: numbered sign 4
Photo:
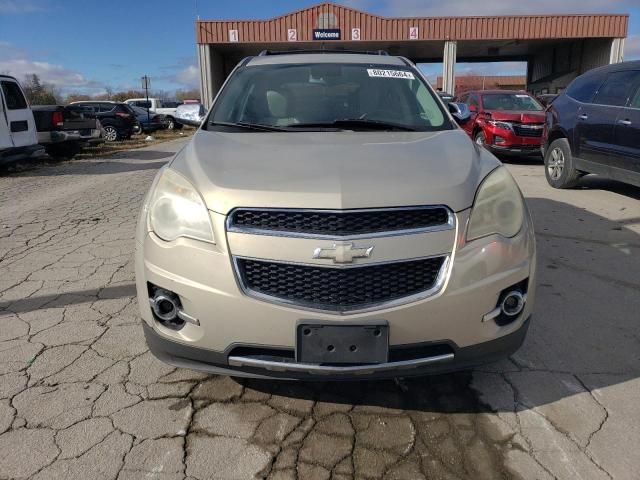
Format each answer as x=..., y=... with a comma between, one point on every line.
x=233, y=35
x=413, y=33
x=355, y=34
x=292, y=35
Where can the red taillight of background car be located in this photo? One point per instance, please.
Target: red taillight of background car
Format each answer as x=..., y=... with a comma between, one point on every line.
x=57, y=119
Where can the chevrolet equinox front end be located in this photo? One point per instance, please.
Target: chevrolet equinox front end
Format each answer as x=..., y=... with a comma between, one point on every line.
x=330, y=220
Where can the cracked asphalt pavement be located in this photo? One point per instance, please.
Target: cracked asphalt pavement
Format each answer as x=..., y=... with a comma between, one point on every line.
x=81, y=397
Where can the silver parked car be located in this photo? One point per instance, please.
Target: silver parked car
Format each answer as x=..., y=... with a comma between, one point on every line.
x=330, y=220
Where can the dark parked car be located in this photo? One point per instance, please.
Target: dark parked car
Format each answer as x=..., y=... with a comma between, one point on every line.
x=150, y=122
x=64, y=130
x=118, y=120
x=506, y=121
x=594, y=127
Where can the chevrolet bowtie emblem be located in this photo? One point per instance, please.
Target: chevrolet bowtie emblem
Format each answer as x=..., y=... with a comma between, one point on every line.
x=343, y=252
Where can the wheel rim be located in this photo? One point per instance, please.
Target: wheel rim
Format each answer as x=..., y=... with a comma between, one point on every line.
x=480, y=140
x=110, y=134
x=171, y=125
x=555, y=163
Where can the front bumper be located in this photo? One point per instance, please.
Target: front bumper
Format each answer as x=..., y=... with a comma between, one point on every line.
x=203, y=277
x=54, y=136
x=507, y=141
x=224, y=363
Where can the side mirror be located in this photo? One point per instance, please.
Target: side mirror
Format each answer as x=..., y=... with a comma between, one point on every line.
x=460, y=111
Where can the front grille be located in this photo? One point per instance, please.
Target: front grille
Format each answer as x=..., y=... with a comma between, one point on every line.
x=523, y=131
x=339, y=223
x=339, y=289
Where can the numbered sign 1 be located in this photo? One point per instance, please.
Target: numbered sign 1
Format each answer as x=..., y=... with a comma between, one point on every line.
x=233, y=35
x=355, y=34
x=292, y=35
x=413, y=33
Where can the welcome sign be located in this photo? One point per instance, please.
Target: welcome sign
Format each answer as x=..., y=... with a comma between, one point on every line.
x=326, y=34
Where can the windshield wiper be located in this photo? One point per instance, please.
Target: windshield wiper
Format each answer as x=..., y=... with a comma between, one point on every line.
x=351, y=123
x=260, y=127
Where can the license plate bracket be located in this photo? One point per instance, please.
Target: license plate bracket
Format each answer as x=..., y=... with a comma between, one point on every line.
x=329, y=343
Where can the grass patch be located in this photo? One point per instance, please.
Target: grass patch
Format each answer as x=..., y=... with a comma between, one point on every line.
x=136, y=141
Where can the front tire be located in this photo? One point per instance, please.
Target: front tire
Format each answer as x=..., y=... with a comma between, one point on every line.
x=558, y=165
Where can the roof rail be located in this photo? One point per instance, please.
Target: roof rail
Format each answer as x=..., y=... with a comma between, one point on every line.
x=264, y=53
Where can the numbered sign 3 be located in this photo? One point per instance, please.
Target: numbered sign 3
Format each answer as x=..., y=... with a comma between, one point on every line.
x=413, y=33
x=292, y=35
x=355, y=34
x=233, y=35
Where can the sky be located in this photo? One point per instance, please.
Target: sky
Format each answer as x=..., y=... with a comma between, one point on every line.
x=86, y=46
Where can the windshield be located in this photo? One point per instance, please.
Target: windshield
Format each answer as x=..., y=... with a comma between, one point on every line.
x=339, y=96
x=511, y=101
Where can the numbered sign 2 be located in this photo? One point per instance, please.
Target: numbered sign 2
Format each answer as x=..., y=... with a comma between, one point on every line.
x=355, y=34
x=413, y=33
x=292, y=35
x=233, y=35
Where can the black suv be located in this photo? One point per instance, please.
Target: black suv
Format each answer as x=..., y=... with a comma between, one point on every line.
x=118, y=119
x=594, y=127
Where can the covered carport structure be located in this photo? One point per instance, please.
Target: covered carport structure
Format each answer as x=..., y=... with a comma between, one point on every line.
x=556, y=48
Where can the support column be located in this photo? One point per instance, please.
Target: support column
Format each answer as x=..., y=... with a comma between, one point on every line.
x=617, y=50
x=449, y=67
x=206, y=85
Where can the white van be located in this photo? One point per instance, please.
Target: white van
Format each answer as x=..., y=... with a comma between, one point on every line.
x=18, y=135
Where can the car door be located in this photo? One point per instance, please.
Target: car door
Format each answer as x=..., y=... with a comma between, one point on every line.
x=597, y=121
x=627, y=134
x=18, y=115
x=5, y=135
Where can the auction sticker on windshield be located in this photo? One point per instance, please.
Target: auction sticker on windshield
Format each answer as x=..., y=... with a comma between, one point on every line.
x=375, y=72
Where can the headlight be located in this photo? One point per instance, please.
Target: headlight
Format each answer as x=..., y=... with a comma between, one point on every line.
x=498, y=207
x=499, y=124
x=176, y=209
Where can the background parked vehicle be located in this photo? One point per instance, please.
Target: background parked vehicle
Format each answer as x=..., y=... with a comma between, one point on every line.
x=507, y=121
x=18, y=137
x=191, y=114
x=546, y=98
x=118, y=119
x=64, y=131
x=157, y=106
x=594, y=127
x=150, y=122
x=445, y=96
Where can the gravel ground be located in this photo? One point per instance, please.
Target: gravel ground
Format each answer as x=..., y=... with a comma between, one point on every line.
x=81, y=397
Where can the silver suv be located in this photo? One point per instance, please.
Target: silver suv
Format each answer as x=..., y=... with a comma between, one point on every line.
x=330, y=220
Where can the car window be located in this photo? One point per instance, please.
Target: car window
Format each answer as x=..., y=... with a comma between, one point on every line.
x=635, y=99
x=617, y=88
x=13, y=96
x=473, y=100
x=510, y=102
x=463, y=98
x=583, y=88
x=106, y=107
x=287, y=95
x=142, y=104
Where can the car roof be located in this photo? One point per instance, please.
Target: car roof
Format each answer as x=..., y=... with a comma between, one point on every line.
x=616, y=67
x=8, y=76
x=519, y=92
x=334, y=57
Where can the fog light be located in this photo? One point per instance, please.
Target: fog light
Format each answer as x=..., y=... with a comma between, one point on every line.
x=511, y=303
x=498, y=139
x=167, y=309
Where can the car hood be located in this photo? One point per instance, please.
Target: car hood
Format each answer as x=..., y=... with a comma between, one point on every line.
x=334, y=170
x=514, y=116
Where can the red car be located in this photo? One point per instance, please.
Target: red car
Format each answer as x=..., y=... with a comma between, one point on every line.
x=506, y=121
